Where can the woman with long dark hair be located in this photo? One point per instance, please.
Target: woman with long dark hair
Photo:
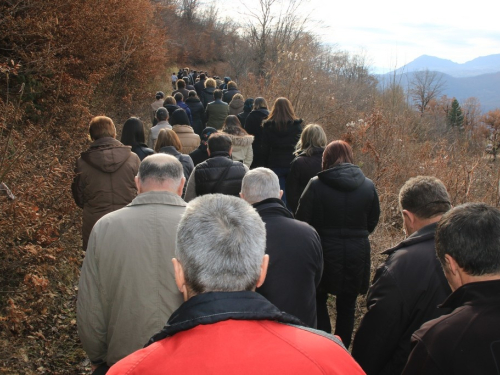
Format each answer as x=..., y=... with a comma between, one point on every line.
x=281, y=132
x=241, y=140
x=133, y=135
x=343, y=206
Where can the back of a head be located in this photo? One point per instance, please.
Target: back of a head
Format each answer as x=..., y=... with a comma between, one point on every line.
x=162, y=114
x=101, y=127
x=169, y=100
x=181, y=84
x=470, y=234
x=248, y=106
x=159, y=95
x=179, y=117
x=167, y=137
x=260, y=184
x=202, y=76
x=337, y=152
x=236, y=97
x=132, y=132
x=178, y=97
x=425, y=197
x=259, y=103
x=221, y=242
x=232, y=85
x=219, y=142
x=282, y=113
x=218, y=94
x=161, y=169
x=232, y=125
x=192, y=94
x=313, y=136
x=210, y=83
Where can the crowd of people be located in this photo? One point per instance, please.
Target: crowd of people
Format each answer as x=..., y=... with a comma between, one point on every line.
x=214, y=245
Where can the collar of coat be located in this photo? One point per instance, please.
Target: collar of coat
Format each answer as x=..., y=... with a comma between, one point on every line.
x=275, y=205
x=423, y=234
x=158, y=197
x=477, y=293
x=214, y=307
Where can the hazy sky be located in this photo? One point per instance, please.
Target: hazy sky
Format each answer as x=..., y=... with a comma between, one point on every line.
x=392, y=34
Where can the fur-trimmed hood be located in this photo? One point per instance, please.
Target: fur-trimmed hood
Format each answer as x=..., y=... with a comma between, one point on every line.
x=241, y=140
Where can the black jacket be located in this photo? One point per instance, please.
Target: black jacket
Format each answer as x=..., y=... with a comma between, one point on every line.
x=199, y=87
x=253, y=126
x=219, y=174
x=198, y=114
x=142, y=150
x=405, y=293
x=302, y=169
x=343, y=206
x=171, y=108
x=295, y=261
x=199, y=155
x=467, y=341
x=242, y=116
x=228, y=95
x=278, y=146
x=207, y=96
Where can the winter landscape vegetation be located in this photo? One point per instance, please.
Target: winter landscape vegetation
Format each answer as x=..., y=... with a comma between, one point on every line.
x=62, y=62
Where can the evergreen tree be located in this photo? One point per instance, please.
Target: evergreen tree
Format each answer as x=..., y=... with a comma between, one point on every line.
x=455, y=115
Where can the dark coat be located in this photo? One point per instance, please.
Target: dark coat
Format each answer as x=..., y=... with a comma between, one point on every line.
x=198, y=113
x=242, y=116
x=228, y=95
x=186, y=108
x=199, y=87
x=142, y=150
x=207, y=96
x=253, y=126
x=343, y=206
x=208, y=175
x=405, y=293
x=464, y=342
x=171, y=108
x=302, y=169
x=278, y=146
x=295, y=261
x=184, y=92
x=216, y=114
x=199, y=155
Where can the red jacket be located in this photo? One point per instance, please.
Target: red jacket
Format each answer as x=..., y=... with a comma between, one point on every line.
x=233, y=346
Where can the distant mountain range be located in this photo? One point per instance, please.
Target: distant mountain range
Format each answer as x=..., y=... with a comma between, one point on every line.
x=478, y=78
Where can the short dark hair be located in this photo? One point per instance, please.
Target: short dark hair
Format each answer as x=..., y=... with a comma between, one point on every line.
x=202, y=76
x=192, y=94
x=470, y=234
x=424, y=196
x=161, y=114
x=219, y=142
x=178, y=97
x=181, y=84
x=218, y=94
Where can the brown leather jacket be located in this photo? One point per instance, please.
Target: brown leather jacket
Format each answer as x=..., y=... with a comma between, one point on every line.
x=104, y=181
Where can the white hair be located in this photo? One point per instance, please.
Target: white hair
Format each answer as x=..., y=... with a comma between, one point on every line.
x=221, y=242
x=259, y=184
x=161, y=168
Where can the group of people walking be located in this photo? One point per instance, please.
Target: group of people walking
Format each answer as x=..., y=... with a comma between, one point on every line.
x=317, y=205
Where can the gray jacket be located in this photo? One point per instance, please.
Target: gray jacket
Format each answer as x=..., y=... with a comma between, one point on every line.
x=127, y=289
x=155, y=130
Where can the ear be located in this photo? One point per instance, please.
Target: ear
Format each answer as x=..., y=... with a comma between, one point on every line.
x=453, y=273
x=231, y=151
x=281, y=193
x=181, y=186
x=180, y=280
x=137, y=184
x=263, y=271
x=408, y=221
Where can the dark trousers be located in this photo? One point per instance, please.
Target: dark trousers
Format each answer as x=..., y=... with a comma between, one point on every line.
x=101, y=370
x=345, y=306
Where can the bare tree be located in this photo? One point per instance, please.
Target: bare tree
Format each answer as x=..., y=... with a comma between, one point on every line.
x=425, y=85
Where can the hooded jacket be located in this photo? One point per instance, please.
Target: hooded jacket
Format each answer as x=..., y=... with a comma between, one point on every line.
x=278, y=145
x=207, y=96
x=189, y=139
x=237, y=333
x=228, y=95
x=104, y=180
x=405, y=293
x=343, y=206
x=242, y=148
x=236, y=106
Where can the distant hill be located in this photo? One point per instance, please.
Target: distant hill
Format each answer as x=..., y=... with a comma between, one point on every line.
x=485, y=87
x=478, y=66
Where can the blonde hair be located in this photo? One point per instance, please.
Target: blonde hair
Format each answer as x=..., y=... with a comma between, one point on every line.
x=210, y=83
x=312, y=137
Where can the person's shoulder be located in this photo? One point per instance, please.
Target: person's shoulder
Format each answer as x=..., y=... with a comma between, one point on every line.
x=137, y=362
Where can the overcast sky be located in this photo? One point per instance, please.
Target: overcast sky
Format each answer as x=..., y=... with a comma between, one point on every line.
x=392, y=34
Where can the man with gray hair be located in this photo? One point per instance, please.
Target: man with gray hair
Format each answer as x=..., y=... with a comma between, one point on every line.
x=127, y=289
x=224, y=327
x=294, y=248
x=409, y=286
x=467, y=341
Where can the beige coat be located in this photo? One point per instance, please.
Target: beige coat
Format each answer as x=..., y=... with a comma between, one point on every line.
x=127, y=290
x=104, y=180
x=189, y=139
x=242, y=148
x=236, y=106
